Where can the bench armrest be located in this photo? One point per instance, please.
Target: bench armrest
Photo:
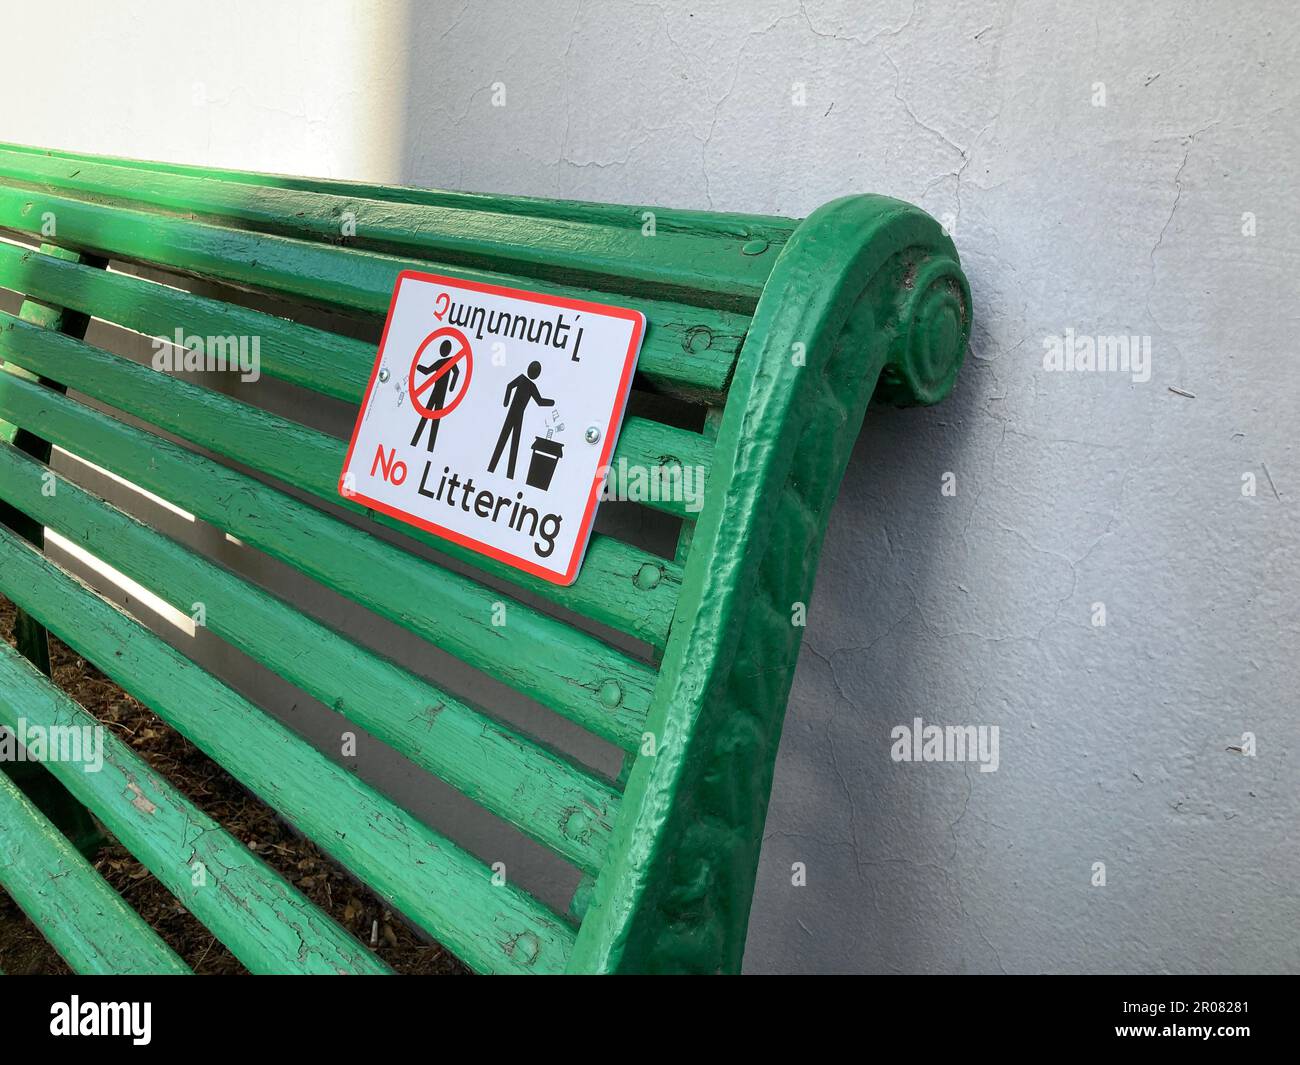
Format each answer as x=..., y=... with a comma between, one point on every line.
x=867, y=295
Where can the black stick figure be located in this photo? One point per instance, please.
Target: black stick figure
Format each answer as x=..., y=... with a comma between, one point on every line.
x=441, y=387
x=519, y=393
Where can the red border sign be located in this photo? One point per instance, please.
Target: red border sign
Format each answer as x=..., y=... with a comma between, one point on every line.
x=608, y=435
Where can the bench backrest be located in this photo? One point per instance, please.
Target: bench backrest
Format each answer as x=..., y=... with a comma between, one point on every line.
x=765, y=339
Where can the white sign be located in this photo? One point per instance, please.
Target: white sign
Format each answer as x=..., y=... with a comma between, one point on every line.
x=490, y=418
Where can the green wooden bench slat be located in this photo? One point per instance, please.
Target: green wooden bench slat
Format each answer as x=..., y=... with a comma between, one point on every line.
x=313, y=358
x=432, y=881
x=329, y=363
x=552, y=801
x=83, y=918
x=774, y=228
x=352, y=279
x=673, y=358
x=552, y=662
x=607, y=590
x=265, y=921
x=661, y=451
x=704, y=268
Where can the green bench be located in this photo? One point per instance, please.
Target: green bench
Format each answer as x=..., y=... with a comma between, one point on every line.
x=766, y=337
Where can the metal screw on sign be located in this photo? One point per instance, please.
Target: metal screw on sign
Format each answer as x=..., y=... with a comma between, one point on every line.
x=592, y=434
x=383, y=374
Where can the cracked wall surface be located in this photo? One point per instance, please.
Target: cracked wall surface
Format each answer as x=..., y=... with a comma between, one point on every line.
x=1073, y=489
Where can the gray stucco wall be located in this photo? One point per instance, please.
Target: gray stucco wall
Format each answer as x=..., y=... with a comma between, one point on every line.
x=1109, y=169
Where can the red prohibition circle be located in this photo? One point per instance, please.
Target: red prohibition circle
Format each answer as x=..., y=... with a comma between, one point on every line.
x=466, y=355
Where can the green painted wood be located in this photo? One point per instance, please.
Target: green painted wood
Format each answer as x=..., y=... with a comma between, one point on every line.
x=329, y=363
x=550, y=800
x=712, y=422
x=704, y=268
x=661, y=467
x=690, y=350
x=30, y=638
x=552, y=662
x=59, y=319
x=867, y=289
x=440, y=887
x=678, y=357
x=266, y=922
x=774, y=228
x=324, y=362
x=48, y=794
x=83, y=918
x=616, y=586
x=871, y=288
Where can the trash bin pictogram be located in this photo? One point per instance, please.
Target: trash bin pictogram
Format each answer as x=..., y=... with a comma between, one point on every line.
x=546, y=453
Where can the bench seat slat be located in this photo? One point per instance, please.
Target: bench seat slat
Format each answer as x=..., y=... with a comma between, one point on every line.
x=673, y=360
x=328, y=363
x=352, y=279
x=607, y=590
x=324, y=362
x=312, y=358
x=702, y=268
x=265, y=921
x=552, y=801
x=553, y=662
x=83, y=918
x=768, y=227
x=367, y=570
x=433, y=882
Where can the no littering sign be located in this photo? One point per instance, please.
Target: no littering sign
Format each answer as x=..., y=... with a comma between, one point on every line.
x=490, y=418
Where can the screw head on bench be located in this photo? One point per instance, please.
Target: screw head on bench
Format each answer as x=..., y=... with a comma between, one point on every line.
x=754, y=247
x=697, y=339
x=592, y=435
x=523, y=947
x=648, y=576
x=576, y=824
x=611, y=694
x=383, y=374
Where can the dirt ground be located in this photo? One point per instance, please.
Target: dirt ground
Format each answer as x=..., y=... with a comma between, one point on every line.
x=216, y=793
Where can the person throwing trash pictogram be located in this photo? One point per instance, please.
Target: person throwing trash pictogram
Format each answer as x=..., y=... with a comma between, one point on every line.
x=442, y=384
x=519, y=393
